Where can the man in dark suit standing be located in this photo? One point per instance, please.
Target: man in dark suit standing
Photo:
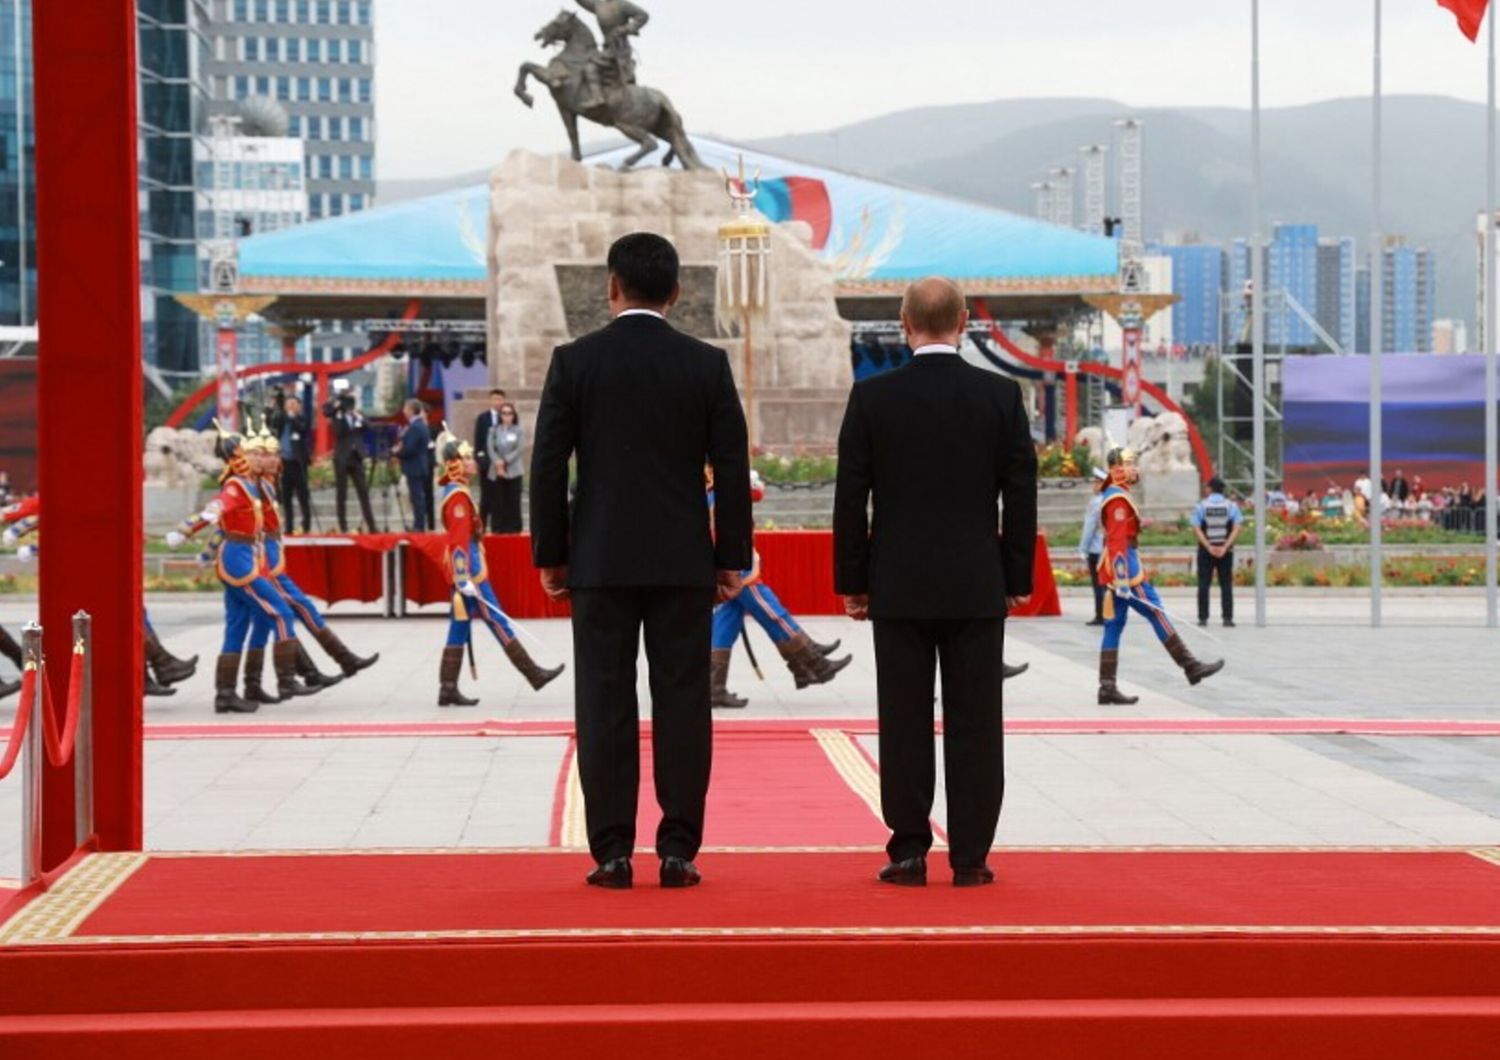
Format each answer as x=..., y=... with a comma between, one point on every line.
x=938, y=444
x=349, y=462
x=296, y=428
x=638, y=551
x=415, y=453
x=489, y=485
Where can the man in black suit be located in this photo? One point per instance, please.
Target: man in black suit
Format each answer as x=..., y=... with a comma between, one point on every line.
x=349, y=461
x=415, y=454
x=938, y=444
x=489, y=486
x=638, y=551
x=296, y=428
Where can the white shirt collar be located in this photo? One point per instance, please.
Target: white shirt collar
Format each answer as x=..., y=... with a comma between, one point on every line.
x=641, y=313
x=936, y=347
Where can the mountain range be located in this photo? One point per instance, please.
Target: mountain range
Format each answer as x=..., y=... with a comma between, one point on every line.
x=1197, y=161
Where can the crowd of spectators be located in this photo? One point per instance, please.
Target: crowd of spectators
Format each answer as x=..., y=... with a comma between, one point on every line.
x=1459, y=508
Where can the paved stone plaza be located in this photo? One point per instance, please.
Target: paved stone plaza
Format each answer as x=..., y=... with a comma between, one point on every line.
x=1319, y=659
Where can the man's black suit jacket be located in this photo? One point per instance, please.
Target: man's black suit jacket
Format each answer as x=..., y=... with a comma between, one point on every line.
x=937, y=443
x=483, y=424
x=644, y=407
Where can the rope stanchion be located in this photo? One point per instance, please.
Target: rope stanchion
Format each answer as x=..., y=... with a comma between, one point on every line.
x=60, y=744
x=18, y=728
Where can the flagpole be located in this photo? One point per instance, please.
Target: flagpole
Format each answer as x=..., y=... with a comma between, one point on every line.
x=1376, y=510
x=1257, y=320
x=1491, y=346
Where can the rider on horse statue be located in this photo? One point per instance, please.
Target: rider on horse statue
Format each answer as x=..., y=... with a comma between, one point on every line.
x=619, y=20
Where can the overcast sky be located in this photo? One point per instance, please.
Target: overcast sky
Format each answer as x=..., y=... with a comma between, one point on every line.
x=751, y=68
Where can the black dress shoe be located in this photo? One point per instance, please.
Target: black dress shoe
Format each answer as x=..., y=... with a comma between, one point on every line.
x=614, y=875
x=1007, y=671
x=977, y=876
x=1229, y=623
x=1094, y=622
x=909, y=873
x=679, y=872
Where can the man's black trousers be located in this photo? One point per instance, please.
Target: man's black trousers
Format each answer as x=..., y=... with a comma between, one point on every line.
x=1208, y=566
x=908, y=655
x=607, y=627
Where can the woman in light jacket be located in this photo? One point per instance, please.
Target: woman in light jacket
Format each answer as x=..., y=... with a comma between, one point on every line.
x=507, y=446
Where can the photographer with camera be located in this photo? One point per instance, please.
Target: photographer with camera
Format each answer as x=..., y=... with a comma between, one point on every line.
x=349, y=458
x=294, y=434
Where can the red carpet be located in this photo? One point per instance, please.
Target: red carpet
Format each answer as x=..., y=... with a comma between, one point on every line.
x=1223, y=954
x=773, y=893
x=772, y=790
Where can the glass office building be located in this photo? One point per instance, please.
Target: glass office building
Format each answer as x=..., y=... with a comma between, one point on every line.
x=174, y=51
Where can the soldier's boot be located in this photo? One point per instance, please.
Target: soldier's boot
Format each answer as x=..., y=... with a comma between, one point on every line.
x=9, y=688
x=535, y=675
x=284, y=660
x=448, y=693
x=1109, y=692
x=308, y=671
x=350, y=663
x=806, y=665
x=825, y=649
x=1195, y=669
x=719, y=669
x=151, y=686
x=12, y=650
x=255, y=667
x=226, y=699
x=168, y=668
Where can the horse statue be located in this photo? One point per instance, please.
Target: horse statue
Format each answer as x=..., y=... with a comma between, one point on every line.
x=643, y=114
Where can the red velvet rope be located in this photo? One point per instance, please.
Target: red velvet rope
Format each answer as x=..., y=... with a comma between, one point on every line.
x=18, y=729
x=60, y=745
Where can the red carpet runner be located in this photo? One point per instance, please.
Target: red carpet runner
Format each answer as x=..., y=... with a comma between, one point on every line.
x=1125, y=954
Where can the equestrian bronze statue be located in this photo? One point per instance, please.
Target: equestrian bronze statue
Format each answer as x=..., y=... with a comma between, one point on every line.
x=599, y=84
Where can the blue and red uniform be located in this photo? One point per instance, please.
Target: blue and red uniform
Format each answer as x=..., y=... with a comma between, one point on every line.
x=1121, y=570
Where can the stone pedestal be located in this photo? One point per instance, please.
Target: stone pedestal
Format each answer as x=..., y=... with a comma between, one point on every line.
x=552, y=221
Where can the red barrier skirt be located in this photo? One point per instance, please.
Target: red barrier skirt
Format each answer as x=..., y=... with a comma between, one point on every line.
x=798, y=564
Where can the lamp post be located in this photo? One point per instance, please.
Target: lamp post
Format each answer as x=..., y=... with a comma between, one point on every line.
x=743, y=294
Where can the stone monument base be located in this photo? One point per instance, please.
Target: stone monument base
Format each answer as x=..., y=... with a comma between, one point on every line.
x=551, y=223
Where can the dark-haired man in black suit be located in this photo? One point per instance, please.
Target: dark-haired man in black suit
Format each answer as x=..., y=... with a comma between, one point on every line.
x=489, y=486
x=937, y=444
x=637, y=552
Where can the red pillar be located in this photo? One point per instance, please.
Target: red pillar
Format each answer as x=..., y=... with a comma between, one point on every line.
x=90, y=366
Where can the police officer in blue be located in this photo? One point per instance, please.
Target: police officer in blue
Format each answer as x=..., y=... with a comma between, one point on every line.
x=1217, y=523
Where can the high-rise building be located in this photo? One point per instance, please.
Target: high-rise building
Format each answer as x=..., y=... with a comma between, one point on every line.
x=1292, y=276
x=317, y=59
x=17, y=168
x=1336, y=295
x=1198, y=271
x=1409, y=277
x=1362, y=309
x=173, y=56
x=1481, y=311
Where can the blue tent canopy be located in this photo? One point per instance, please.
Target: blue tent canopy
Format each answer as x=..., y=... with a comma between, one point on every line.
x=878, y=236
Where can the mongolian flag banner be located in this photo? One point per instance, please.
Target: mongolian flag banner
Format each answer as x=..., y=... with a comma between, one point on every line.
x=1470, y=13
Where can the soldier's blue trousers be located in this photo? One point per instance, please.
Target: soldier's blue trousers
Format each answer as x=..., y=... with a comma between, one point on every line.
x=759, y=602
x=466, y=611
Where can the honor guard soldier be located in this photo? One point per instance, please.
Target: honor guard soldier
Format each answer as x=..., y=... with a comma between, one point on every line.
x=1217, y=523
x=238, y=514
x=163, y=669
x=1130, y=587
x=264, y=456
x=473, y=596
x=808, y=660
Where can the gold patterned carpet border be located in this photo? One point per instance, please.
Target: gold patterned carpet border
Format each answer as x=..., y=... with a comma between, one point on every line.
x=57, y=913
